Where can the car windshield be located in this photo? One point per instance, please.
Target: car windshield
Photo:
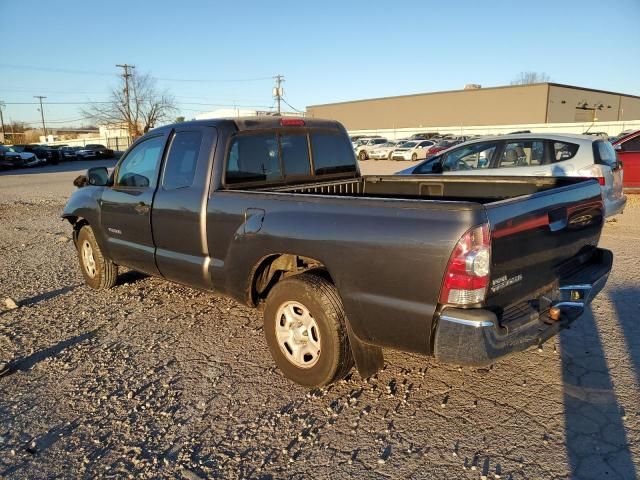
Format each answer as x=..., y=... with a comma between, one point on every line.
x=444, y=143
x=387, y=144
x=409, y=144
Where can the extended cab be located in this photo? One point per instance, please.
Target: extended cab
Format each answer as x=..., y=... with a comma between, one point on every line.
x=274, y=213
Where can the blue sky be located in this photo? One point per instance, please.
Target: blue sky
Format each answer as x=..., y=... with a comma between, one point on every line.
x=328, y=51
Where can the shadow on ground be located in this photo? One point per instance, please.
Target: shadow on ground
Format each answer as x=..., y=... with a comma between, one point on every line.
x=597, y=444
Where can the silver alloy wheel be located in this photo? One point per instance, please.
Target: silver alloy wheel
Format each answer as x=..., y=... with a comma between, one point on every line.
x=298, y=334
x=87, y=259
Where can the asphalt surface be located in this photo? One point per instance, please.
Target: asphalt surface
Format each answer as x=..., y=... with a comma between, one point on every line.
x=157, y=380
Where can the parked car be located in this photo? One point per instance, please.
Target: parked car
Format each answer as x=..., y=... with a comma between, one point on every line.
x=358, y=139
x=368, y=144
x=535, y=155
x=84, y=153
x=69, y=153
x=28, y=159
x=43, y=152
x=101, y=150
x=293, y=228
x=442, y=145
x=10, y=159
x=424, y=136
x=628, y=150
x=384, y=150
x=412, y=150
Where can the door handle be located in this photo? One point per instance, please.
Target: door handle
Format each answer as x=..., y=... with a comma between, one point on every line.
x=141, y=208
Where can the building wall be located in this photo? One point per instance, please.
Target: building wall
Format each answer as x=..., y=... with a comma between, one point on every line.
x=629, y=108
x=560, y=112
x=485, y=106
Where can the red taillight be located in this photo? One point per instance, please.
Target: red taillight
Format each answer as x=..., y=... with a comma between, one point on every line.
x=467, y=276
x=600, y=180
x=292, y=122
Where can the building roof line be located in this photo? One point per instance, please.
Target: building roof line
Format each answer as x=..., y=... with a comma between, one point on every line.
x=548, y=84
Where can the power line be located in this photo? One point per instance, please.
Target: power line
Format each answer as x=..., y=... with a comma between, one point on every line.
x=289, y=105
x=53, y=70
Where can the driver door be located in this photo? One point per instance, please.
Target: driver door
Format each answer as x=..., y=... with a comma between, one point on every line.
x=126, y=206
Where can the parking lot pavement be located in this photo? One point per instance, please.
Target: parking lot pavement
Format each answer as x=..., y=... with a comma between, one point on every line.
x=153, y=379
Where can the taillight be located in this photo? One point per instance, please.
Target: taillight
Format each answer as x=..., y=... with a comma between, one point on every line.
x=467, y=276
x=292, y=122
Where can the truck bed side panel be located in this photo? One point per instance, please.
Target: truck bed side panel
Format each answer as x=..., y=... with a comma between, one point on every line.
x=386, y=257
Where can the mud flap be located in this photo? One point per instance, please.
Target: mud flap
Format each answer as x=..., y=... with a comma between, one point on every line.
x=369, y=358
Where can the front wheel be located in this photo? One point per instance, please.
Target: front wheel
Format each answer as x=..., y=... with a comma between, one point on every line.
x=362, y=155
x=414, y=157
x=98, y=272
x=304, y=325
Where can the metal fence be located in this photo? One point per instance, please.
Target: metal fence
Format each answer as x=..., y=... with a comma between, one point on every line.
x=114, y=143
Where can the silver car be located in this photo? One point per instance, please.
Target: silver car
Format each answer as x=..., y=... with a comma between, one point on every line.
x=537, y=155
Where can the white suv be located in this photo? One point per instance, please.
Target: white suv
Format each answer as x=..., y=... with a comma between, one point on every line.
x=537, y=155
x=365, y=145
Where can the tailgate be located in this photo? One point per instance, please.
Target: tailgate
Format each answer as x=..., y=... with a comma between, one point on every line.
x=536, y=239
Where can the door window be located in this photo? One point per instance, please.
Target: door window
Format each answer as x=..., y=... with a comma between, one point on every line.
x=180, y=166
x=472, y=157
x=522, y=153
x=140, y=166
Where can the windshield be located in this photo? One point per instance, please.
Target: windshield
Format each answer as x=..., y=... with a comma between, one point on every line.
x=409, y=144
x=387, y=144
x=444, y=143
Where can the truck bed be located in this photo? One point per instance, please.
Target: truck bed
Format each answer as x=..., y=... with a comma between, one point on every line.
x=475, y=189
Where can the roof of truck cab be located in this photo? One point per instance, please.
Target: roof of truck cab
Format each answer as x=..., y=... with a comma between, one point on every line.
x=255, y=122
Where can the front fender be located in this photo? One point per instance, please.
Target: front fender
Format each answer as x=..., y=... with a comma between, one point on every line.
x=84, y=204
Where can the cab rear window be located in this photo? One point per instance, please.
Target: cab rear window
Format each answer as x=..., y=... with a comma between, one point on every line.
x=332, y=154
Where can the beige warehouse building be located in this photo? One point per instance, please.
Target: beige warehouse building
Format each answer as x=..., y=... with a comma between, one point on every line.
x=510, y=105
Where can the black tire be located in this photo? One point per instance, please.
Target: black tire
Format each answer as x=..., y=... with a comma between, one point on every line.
x=105, y=271
x=414, y=157
x=321, y=298
x=362, y=155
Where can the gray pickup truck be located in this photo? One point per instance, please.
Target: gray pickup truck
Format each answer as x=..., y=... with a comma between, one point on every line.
x=274, y=213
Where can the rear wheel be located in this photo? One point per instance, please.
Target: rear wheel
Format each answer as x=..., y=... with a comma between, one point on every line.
x=414, y=157
x=304, y=325
x=98, y=272
x=362, y=155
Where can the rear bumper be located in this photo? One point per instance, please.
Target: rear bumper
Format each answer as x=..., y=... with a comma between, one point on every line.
x=614, y=207
x=479, y=337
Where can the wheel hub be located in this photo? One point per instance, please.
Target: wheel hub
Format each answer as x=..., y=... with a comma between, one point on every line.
x=298, y=335
x=88, y=260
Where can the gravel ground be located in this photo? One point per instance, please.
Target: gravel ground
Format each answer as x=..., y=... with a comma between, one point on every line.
x=153, y=379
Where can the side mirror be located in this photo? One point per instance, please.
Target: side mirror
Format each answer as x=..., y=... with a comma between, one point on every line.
x=618, y=147
x=98, y=176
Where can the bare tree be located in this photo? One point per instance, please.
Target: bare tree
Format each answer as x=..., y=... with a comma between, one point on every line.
x=527, y=78
x=141, y=109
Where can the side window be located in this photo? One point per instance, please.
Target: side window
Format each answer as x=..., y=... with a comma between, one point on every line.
x=564, y=151
x=140, y=167
x=295, y=155
x=523, y=153
x=471, y=157
x=332, y=154
x=253, y=158
x=632, y=145
x=180, y=166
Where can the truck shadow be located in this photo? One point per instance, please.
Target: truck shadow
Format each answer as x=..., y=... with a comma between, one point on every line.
x=596, y=439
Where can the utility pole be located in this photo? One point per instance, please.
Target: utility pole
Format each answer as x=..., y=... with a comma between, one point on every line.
x=126, y=76
x=4, y=135
x=44, y=127
x=278, y=90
